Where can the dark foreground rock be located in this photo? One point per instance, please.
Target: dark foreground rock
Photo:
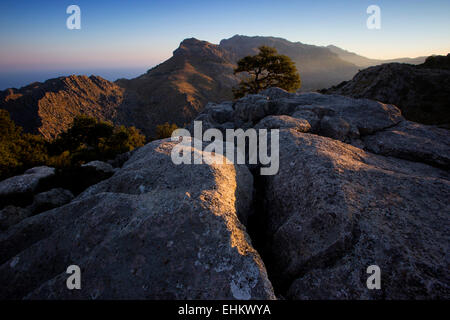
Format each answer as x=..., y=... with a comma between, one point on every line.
x=152, y=231
x=11, y=215
x=51, y=199
x=19, y=190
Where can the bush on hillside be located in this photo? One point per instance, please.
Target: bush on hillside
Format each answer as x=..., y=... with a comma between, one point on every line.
x=165, y=130
x=87, y=139
x=18, y=150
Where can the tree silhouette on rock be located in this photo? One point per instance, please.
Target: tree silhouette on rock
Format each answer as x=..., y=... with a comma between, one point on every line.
x=266, y=69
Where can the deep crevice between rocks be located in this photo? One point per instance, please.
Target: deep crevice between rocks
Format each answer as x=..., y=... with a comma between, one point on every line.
x=257, y=228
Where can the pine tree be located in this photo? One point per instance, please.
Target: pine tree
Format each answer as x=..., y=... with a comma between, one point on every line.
x=266, y=69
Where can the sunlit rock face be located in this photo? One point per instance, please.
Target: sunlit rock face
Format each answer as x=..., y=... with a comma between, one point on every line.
x=48, y=108
x=154, y=230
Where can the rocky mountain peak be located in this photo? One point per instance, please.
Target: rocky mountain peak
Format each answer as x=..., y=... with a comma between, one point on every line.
x=197, y=49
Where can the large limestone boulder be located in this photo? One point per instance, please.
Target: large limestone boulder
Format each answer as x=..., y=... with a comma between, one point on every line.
x=11, y=215
x=99, y=166
x=19, y=190
x=154, y=230
x=334, y=209
x=51, y=199
x=342, y=118
x=358, y=185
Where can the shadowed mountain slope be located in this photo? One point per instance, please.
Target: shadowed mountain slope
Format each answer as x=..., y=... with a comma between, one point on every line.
x=422, y=92
x=318, y=66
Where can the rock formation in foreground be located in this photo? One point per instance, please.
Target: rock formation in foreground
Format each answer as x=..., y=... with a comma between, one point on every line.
x=152, y=231
x=422, y=92
x=358, y=185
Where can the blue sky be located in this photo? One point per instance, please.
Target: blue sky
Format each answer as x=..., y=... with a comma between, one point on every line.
x=135, y=35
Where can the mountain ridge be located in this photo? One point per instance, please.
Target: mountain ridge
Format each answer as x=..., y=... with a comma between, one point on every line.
x=49, y=107
x=174, y=91
x=365, y=62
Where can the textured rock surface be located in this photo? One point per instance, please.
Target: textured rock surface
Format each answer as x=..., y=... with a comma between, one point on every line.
x=120, y=159
x=51, y=199
x=279, y=122
x=152, y=231
x=366, y=187
x=421, y=92
x=413, y=141
x=362, y=187
x=100, y=166
x=19, y=190
x=338, y=117
x=11, y=215
x=334, y=209
x=91, y=173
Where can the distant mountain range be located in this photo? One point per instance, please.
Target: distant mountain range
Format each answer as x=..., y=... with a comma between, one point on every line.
x=364, y=62
x=174, y=91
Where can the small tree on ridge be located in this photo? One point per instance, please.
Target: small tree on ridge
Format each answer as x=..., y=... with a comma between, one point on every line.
x=266, y=69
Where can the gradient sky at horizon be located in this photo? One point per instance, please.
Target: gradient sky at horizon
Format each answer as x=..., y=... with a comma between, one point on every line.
x=138, y=34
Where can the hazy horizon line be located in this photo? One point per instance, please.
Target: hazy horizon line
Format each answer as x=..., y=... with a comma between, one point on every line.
x=112, y=73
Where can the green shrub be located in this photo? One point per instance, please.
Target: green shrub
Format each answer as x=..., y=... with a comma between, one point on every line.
x=19, y=151
x=87, y=139
x=165, y=130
